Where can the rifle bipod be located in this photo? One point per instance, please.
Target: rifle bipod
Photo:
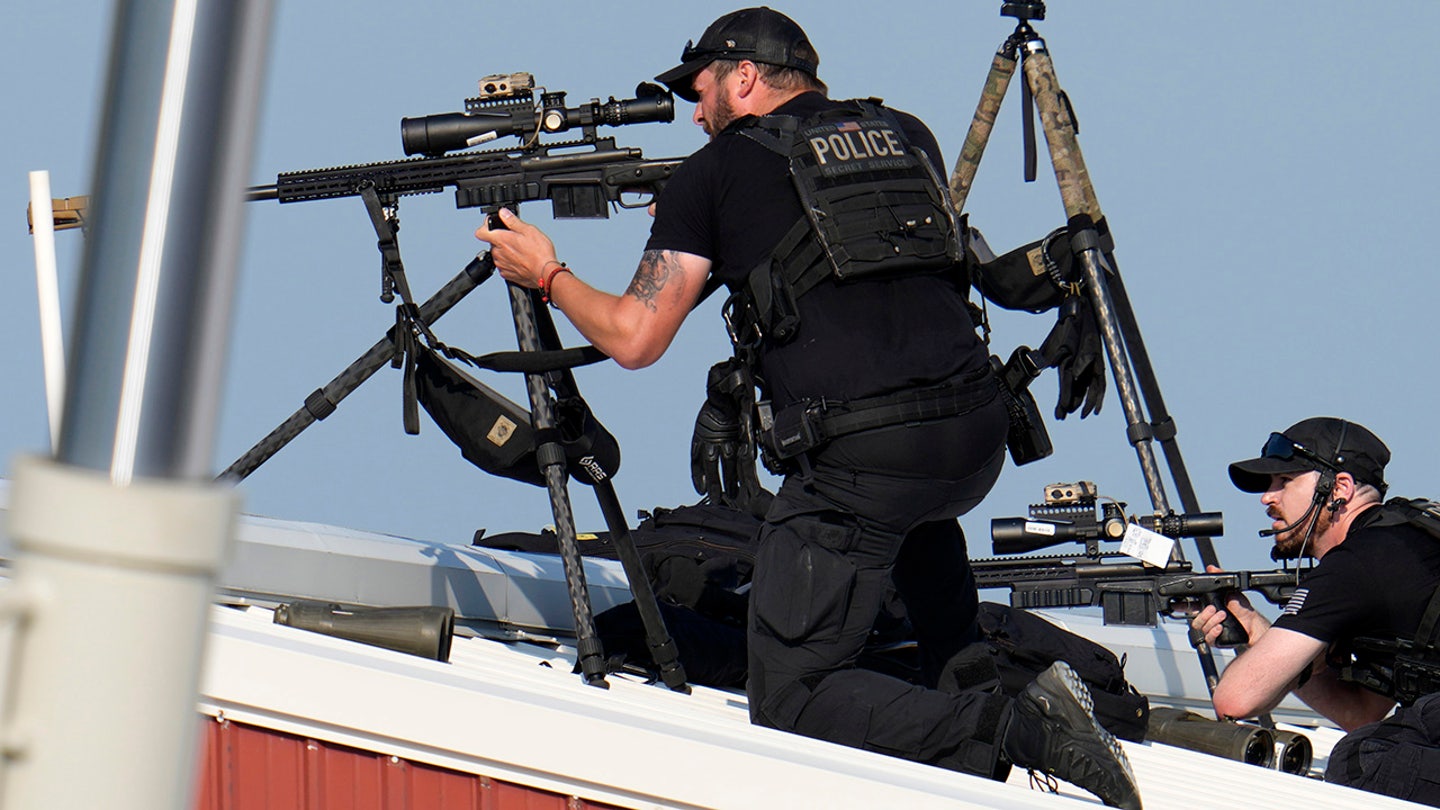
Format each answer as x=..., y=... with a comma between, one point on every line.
x=1093, y=247
x=535, y=331
x=323, y=401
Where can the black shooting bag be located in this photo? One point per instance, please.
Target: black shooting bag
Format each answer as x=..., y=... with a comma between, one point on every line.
x=492, y=432
x=1017, y=646
x=496, y=435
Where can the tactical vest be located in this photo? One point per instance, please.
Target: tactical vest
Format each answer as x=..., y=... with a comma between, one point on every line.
x=874, y=207
x=1405, y=669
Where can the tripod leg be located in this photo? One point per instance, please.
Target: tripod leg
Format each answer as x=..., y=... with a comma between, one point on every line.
x=1083, y=209
x=551, y=457
x=1002, y=67
x=321, y=403
x=657, y=635
x=1079, y=198
x=1076, y=192
x=1160, y=420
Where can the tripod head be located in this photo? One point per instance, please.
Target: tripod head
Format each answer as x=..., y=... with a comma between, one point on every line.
x=1024, y=11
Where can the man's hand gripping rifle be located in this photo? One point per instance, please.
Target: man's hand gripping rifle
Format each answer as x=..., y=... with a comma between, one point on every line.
x=1128, y=590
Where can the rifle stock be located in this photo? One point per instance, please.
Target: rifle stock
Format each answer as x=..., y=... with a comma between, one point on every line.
x=578, y=183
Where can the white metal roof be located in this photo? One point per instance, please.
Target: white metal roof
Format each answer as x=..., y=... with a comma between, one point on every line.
x=514, y=711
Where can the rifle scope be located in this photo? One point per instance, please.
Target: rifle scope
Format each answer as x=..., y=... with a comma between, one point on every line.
x=1021, y=535
x=518, y=114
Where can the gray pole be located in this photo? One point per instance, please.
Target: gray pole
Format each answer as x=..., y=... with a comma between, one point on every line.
x=159, y=264
x=120, y=537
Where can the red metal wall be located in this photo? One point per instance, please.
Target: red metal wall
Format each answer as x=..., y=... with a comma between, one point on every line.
x=251, y=768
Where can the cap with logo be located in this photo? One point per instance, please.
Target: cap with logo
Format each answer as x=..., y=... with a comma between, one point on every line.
x=761, y=35
x=1320, y=443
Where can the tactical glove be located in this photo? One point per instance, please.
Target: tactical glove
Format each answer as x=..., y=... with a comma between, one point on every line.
x=716, y=444
x=1075, y=349
x=713, y=449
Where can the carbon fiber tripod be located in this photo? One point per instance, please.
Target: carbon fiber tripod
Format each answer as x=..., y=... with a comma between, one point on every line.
x=1091, y=242
x=1093, y=247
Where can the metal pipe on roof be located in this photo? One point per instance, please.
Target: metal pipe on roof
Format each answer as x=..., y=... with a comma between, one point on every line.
x=121, y=536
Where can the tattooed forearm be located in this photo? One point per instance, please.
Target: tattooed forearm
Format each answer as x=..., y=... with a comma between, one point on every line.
x=656, y=269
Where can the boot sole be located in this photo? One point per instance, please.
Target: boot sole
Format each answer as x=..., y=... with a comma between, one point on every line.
x=1078, y=712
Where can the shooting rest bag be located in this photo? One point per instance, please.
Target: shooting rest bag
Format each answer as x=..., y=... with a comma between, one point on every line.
x=1016, y=646
x=496, y=435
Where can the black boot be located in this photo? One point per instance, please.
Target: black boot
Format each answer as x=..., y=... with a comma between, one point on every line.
x=1052, y=728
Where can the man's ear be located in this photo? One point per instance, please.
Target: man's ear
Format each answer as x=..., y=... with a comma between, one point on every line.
x=1343, y=491
x=747, y=78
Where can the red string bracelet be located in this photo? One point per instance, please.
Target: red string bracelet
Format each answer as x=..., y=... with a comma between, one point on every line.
x=548, y=279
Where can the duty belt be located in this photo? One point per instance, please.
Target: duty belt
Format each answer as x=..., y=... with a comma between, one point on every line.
x=807, y=425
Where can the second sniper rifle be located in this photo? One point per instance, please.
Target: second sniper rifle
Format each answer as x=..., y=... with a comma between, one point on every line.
x=1127, y=591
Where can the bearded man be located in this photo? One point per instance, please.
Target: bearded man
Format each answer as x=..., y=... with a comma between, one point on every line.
x=1373, y=591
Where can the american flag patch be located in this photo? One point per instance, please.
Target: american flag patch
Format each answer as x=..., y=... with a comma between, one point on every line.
x=1297, y=601
x=848, y=126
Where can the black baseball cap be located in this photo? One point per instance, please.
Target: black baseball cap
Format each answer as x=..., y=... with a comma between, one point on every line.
x=759, y=34
x=1319, y=443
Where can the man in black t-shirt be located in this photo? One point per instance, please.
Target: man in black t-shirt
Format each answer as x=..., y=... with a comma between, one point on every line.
x=1322, y=484
x=877, y=504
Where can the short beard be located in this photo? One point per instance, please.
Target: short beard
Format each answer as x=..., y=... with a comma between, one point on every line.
x=1300, y=541
x=722, y=116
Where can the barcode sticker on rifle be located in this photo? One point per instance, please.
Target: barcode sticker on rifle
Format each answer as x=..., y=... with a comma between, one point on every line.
x=1151, y=548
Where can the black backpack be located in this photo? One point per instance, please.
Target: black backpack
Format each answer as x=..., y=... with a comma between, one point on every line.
x=1017, y=646
x=698, y=557
x=701, y=557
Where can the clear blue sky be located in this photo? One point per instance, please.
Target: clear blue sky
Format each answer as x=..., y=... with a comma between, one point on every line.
x=1267, y=170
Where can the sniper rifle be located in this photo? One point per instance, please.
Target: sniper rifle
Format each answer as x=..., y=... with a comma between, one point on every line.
x=1126, y=590
x=579, y=177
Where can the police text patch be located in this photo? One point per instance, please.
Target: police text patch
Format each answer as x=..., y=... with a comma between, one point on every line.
x=857, y=146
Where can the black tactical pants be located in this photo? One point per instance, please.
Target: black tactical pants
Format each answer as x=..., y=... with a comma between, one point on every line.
x=879, y=504
x=1398, y=756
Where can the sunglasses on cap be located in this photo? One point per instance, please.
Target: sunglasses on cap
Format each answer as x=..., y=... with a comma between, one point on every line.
x=692, y=53
x=1283, y=448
